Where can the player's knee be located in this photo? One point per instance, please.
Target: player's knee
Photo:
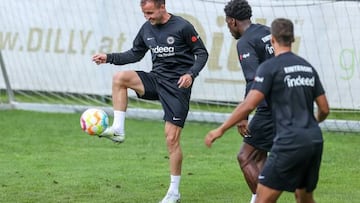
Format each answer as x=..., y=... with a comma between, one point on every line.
x=173, y=144
x=303, y=197
x=171, y=140
x=119, y=78
x=243, y=158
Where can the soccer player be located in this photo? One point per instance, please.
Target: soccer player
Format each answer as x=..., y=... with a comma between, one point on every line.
x=253, y=47
x=178, y=55
x=290, y=85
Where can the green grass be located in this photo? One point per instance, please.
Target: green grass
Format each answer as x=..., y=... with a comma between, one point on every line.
x=45, y=157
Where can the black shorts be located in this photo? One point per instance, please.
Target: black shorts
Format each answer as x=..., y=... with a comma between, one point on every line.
x=174, y=100
x=291, y=169
x=261, y=129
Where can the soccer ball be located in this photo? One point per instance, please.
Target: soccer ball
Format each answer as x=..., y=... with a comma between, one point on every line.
x=94, y=121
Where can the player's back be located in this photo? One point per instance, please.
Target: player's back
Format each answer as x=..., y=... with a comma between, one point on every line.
x=295, y=86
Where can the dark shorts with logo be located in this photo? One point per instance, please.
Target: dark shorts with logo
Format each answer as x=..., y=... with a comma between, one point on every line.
x=174, y=100
x=288, y=169
x=261, y=129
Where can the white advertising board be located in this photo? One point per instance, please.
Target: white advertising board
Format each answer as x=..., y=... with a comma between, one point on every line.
x=47, y=44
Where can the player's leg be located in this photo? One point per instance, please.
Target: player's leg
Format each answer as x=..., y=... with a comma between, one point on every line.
x=266, y=194
x=175, y=102
x=253, y=152
x=172, y=136
x=251, y=161
x=248, y=165
x=121, y=82
x=304, y=192
x=302, y=196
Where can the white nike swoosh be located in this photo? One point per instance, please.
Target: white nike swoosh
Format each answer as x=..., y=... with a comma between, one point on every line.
x=176, y=119
x=150, y=38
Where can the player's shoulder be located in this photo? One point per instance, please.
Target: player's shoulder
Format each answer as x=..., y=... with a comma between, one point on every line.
x=269, y=62
x=257, y=33
x=306, y=62
x=179, y=20
x=259, y=29
x=146, y=25
x=260, y=26
x=295, y=58
x=271, y=65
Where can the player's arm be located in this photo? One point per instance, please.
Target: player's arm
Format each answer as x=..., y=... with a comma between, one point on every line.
x=135, y=54
x=240, y=113
x=320, y=99
x=243, y=109
x=323, y=108
x=131, y=56
x=198, y=48
x=243, y=129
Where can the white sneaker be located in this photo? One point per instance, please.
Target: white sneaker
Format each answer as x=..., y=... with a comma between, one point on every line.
x=171, y=198
x=110, y=134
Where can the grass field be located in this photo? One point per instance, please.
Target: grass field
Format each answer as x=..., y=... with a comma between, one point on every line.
x=45, y=157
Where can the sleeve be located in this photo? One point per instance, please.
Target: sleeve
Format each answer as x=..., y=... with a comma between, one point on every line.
x=197, y=47
x=135, y=54
x=264, y=42
x=263, y=79
x=318, y=88
x=249, y=61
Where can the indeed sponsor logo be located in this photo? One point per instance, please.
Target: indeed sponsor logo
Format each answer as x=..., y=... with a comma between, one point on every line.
x=160, y=50
x=299, y=81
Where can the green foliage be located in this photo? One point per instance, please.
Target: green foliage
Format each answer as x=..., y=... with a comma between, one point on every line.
x=45, y=157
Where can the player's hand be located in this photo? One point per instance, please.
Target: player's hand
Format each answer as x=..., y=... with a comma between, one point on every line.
x=185, y=81
x=99, y=58
x=242, y=128
x=212, y=136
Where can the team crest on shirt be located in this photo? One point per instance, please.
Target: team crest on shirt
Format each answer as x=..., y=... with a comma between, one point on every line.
x=170, y=40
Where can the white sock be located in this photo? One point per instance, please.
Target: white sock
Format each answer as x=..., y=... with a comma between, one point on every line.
x=119, y=122
x=174, y=184
x=253, y=198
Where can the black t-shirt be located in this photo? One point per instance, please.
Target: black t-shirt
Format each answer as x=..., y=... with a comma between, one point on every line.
x=254, y=48
x=290, y=85
x=175, y=46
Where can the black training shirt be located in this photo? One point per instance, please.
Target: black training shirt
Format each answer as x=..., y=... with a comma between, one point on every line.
x=290, y=85
x=175, y=46
x=253, y=48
